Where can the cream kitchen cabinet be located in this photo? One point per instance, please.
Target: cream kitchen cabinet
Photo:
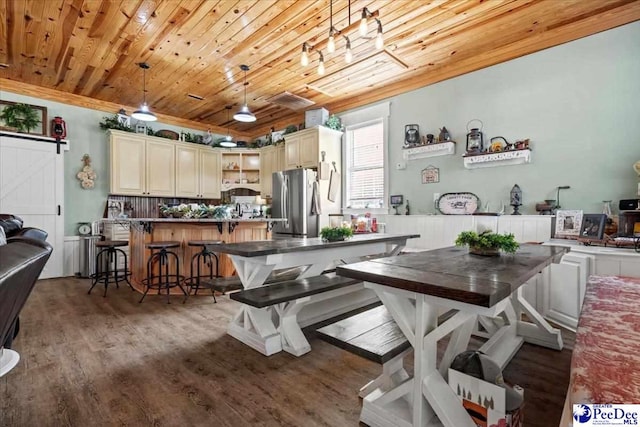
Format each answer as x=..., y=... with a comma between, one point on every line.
x=141, y=166
x=197, y=172
x=271, y=160
x=303, y=148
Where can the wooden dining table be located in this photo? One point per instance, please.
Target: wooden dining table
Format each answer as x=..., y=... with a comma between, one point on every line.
x=262, y=328
x=485, y=293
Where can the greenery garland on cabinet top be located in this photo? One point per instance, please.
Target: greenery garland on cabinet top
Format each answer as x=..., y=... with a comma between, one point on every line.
x=20, y=116
x=113, y=122
x=488, y=240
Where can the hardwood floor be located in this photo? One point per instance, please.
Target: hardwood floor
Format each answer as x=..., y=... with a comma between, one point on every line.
x=93, y=361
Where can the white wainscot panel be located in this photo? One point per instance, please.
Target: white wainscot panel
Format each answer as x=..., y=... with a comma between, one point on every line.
x=526, y=228
x=71, y=255
x=565, y=289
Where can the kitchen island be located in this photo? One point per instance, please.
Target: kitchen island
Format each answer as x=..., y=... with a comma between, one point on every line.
x=147, y=230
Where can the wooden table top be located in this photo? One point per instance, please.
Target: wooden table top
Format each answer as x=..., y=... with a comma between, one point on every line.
x=302, y=244
x=454, y=274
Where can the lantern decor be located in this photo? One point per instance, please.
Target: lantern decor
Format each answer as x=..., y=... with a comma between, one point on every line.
x=86, y=175
x=58, y=128
x=475, y=139
x=516, y=199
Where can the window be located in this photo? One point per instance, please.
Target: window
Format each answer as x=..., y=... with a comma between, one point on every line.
x=365, y=166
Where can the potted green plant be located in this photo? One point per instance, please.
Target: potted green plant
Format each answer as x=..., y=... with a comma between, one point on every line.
x=336, y=234
x=20, y=116
x=333, y=122
x=487, y=243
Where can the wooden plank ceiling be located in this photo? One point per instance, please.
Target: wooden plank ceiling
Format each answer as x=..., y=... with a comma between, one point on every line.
x=91, y=48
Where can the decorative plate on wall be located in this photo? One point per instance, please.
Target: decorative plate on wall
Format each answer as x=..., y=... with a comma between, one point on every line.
x=165, y=133
x=458, y=203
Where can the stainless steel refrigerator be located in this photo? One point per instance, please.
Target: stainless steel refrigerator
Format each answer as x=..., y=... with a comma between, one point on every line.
x=293, y=199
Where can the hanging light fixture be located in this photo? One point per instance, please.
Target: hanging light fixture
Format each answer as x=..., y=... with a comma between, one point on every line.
x=143, y=113
x=348, y=56
x=330, y=43
x=228, y=140
x=379, y=36
x=245, y=115
x=321, y=64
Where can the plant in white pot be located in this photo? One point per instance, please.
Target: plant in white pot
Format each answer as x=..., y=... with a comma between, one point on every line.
x=487, y=243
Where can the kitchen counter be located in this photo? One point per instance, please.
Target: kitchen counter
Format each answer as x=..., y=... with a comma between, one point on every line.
x=183, y=230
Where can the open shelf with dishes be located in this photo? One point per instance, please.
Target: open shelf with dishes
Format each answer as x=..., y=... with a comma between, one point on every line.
x=241, y=169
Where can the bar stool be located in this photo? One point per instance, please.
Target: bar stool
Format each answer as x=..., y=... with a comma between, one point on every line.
x=103, y=272
x=163, y=280
x=205, y=256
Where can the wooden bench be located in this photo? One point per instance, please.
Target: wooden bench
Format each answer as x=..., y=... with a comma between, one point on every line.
x=289, y=290
x=288, y=297
x=374, y=335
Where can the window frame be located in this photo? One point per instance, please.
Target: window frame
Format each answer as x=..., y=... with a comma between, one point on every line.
x=361, y=119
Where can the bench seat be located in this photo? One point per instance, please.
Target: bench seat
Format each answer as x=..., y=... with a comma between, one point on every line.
x=372, y=334
x=289, y=290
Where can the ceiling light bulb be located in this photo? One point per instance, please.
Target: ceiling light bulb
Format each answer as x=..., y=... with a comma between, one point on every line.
x=321, y=68
x=304, y=59
x=379, y=41
x=363, y=23
x=331, y=45
x=348, y=57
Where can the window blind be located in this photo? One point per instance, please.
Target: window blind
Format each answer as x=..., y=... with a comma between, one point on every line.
x=366, y=166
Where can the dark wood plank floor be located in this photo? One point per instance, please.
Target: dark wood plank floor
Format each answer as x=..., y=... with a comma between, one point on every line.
x=93, y=361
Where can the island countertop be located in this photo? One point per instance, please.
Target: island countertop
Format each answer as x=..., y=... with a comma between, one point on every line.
x=196, y=220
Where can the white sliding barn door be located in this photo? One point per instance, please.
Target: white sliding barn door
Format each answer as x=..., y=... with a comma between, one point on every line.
x=31, y=187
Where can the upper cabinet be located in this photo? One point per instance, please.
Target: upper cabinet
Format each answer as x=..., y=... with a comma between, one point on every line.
x=197, y=172
x=141, y=166
x=303, y=148
x=271, y=160
x=241, y=169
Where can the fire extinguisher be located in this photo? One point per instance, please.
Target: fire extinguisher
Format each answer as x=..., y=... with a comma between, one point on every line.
x=58, y=128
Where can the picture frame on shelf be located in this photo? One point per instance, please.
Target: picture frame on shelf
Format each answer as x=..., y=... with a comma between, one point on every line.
x=593, y=226
x=41, y=112
x=568, y=223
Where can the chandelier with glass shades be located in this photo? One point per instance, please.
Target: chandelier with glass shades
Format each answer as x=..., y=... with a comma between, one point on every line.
x=330, y=43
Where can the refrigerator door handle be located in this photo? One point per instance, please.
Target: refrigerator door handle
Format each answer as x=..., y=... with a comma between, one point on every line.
x=284, y=202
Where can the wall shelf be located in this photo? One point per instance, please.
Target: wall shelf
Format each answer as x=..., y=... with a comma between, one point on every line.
x=504, y=158
x=429, y=150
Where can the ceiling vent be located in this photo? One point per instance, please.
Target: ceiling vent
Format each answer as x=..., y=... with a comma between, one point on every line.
x=290, y=101
x=198, y=97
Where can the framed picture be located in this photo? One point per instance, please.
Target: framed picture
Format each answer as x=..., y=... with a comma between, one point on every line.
x=430, y=175
x=41, y=112
x=593, y=226
x=568, y=223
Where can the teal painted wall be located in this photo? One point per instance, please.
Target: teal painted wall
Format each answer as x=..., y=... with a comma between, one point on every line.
x=579, y=103
x=85, y=136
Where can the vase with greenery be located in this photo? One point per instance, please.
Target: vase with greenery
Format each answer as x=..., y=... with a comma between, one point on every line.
x=487, y=243
x=20, y=116
x=336, y=234
x=113, y=122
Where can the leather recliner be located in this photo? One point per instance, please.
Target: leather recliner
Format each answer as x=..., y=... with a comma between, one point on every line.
x=13, y=228
x=21, y=262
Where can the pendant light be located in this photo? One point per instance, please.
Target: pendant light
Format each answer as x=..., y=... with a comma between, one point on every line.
x=245, y=115
x=321, y=64
x=143, y=113
x=379, y=36
x=228, y=140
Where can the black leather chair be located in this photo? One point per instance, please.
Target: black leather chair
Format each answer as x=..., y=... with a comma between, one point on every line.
x=21, y=262
x=12, y=226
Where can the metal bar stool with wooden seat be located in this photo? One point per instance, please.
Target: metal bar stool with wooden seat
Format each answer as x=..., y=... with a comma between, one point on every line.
x=164, y=279
x=204, y=257
x=106, y=264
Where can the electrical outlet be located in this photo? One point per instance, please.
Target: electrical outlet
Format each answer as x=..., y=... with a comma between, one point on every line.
x=436, y=196
x=401, y=165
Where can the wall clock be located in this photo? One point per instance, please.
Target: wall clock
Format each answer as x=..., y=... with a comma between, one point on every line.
x=84, y=228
